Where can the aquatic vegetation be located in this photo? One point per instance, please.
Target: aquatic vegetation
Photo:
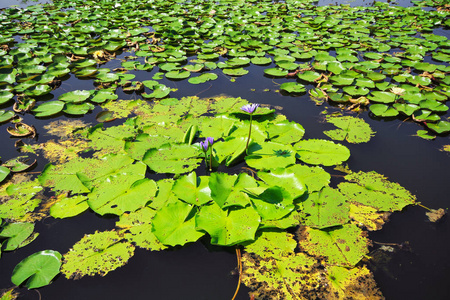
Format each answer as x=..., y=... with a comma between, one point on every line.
x=249, y=109
x=143, y=168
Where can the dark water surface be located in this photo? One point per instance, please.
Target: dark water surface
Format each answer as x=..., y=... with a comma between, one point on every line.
x=199, y=271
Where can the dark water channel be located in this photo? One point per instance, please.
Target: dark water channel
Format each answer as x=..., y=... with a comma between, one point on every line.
x=420, y=269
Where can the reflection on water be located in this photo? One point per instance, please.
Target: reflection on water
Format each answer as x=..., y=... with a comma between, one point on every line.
x=22, y=3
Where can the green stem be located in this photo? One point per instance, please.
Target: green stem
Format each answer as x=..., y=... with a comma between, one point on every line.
x=249, y=133
x=210, y=159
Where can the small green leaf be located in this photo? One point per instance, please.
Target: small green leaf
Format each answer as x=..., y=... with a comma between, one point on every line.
x=39, y=268
x=16, y=234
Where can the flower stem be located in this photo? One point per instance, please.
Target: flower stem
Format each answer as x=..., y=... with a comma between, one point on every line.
x=210, y=159
x=249, y=133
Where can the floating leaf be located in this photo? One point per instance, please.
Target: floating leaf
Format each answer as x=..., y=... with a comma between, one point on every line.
x=203, y=78
x=228, y=227
x=6, y=116
x=293, y=87
x=286, y=178
x=116, y=195
x=19, y=164
x=174, y=159
x=321, y=152
x=269, y=156
x=383, y=110
x=228, y=190
x=440, y=127
x=174, y=225
x=353, y=130
x=285, y=132
x=76, y=96
x=373, y=189
x=68, y=207
x=309, y=76
x=98, y=253
x=18, y=200
x=4, y=172
x=192, y=189
x=17, y=235
x=286, y=277
x=38, y=269
x=342, y=245
x=49, y=108
x=325, y=208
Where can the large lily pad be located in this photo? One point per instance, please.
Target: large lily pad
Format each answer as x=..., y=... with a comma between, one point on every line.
x=230, y=226
x=321, y=152
x=98, y=253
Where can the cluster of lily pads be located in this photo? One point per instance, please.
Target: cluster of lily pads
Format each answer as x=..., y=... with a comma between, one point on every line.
x=285, y=188
x=384, y=57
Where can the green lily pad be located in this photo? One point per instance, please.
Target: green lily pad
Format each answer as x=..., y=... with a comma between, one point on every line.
x=383, y=97
x=235, y=72
x=76, y=96
x=321, y=152
x=174, y=225
x=38, y=269
x=5, y=96
x=383, y=110
x=353, y=130
x=276, y=72
x=270, y=156
x=439, y=127
x=5, y=116
x=285, y=132
x=116, y=195
x=228, y=227
x=175, y=159
x=4, y=172
x=192, y=189
x=309, y=76
x=203, y=78
x=325, y=208
x=344, y=245
x=69, y=207
x=49, y=108
x=293, y=87
x=177, y=74
x=17, y=235
x=78, y=109
x=228, y=190
x=97, y=253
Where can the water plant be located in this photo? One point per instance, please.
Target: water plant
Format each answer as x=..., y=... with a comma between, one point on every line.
x=249, y=109
x=207, y=144
x=143, y=168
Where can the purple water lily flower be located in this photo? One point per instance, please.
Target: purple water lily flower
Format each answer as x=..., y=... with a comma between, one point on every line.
x=204, y=145
x=209, y=141
x=250, y=108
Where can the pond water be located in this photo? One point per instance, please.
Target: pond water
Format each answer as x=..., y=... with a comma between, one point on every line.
x=419, y=269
